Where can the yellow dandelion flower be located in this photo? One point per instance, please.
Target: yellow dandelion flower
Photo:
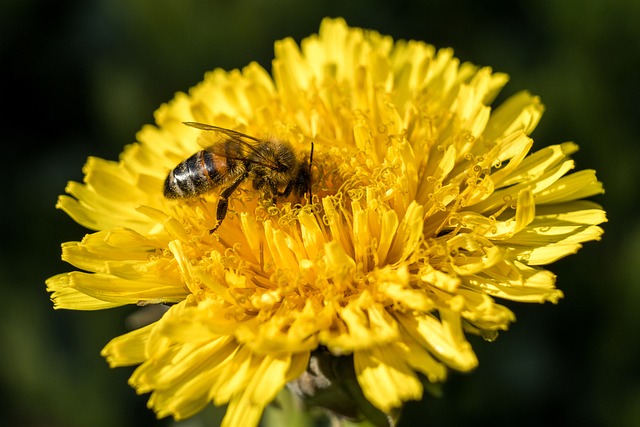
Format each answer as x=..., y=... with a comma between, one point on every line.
x=426, y=205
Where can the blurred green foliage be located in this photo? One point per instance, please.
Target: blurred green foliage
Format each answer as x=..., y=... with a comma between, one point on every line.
x=81, y=77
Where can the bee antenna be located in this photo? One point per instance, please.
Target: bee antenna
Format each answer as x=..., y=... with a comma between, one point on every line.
x=310, y=164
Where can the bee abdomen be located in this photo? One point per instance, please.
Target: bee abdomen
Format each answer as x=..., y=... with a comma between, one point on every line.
x=196, y=175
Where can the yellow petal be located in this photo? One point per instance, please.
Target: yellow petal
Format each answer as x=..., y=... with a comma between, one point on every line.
x=444, y=338
x=64, y=296
x=128, y=349
x=385, y=378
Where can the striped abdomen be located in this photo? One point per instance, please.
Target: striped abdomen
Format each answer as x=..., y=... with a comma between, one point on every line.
x=201, y=173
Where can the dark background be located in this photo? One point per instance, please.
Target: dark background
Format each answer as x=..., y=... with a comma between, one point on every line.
x=79, y=78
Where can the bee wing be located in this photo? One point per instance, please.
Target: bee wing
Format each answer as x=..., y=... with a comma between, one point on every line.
x=237, y=142
x=207, y=139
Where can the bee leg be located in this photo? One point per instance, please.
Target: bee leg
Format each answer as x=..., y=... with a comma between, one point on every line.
x=286, y=192
x=223, y=201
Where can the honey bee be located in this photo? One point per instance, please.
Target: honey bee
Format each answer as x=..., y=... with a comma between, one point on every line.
x=272, y=166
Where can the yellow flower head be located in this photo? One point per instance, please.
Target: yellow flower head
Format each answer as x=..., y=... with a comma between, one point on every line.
x=425, y=206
